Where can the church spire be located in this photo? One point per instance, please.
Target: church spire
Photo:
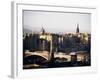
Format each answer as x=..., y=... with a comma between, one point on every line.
x=42, y=31
x=77, y=30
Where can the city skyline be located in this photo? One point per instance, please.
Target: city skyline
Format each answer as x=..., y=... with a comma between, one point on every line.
x=56, y=22
x=56, y=39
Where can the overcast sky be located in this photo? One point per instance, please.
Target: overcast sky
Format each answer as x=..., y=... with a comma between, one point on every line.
x=56, y=22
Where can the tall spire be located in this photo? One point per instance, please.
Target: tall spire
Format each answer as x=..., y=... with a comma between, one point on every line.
x=42, y=31
x=77, y=30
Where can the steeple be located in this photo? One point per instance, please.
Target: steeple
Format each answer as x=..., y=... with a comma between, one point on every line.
x=77, y=30
x=42, y=31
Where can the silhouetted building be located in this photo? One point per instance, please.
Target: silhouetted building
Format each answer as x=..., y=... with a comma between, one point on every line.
x=26, y=45
x=77, y=30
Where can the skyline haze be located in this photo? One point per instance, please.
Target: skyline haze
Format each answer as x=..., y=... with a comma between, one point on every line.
x=56, y=22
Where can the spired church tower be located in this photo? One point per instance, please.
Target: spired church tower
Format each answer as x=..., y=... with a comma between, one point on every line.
x=42, y=31
x=77, y=29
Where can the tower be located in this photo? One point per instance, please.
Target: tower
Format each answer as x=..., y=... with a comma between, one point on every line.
x=77, y=29
x=42, y=31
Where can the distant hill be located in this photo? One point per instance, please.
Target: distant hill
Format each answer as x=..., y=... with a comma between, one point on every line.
x=29, y=29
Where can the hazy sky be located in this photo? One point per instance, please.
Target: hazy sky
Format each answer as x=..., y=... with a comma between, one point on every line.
x=57, y=22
